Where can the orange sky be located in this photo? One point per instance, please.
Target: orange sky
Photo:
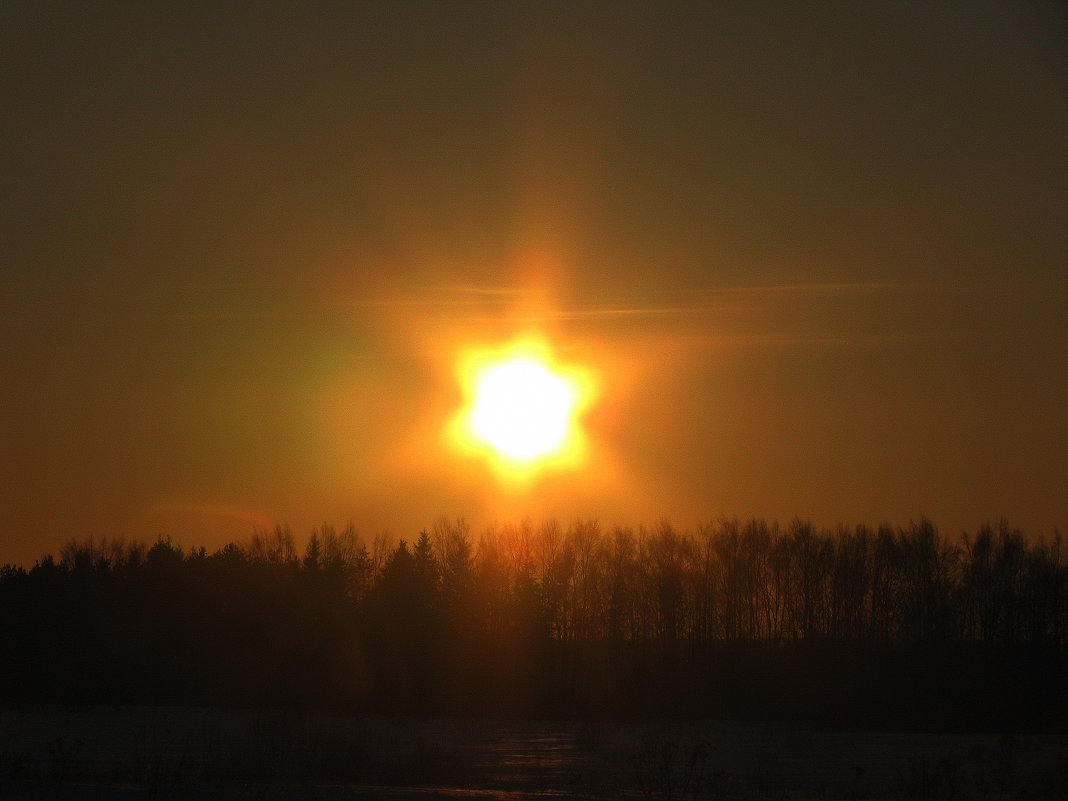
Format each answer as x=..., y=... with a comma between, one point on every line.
x=815, y=258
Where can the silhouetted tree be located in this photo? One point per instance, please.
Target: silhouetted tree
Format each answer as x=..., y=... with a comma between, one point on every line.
x=743, y=617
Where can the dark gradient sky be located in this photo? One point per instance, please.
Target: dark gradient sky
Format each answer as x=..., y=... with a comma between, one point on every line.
x=817, y=256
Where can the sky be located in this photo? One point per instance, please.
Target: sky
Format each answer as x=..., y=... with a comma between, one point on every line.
x=815, y=256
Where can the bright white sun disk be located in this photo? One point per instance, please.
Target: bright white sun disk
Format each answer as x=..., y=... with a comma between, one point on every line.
x=522, y=409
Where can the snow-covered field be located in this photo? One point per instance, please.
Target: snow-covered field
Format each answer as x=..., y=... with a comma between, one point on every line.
x=49, y=752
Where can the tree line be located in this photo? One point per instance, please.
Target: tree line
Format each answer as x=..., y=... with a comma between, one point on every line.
x=543, y=617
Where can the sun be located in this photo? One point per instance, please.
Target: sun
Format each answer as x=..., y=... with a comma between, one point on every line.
x=523, y=409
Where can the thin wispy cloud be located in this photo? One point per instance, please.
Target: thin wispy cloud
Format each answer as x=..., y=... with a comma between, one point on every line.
x=818, y=288
x=487, y=291
x=496, y=302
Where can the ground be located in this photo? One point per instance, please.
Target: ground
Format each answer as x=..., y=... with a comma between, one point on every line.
x=49, y=752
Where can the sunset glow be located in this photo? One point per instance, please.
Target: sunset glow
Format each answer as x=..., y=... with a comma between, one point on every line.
x=378, y=262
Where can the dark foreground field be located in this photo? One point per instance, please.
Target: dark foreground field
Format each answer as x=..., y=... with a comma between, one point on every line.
x=50, y=752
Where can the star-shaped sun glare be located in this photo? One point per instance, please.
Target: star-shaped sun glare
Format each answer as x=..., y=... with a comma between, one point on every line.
x=523, y=410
